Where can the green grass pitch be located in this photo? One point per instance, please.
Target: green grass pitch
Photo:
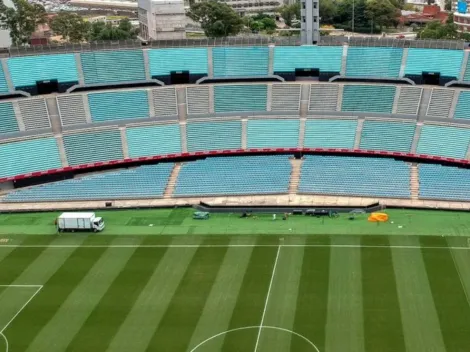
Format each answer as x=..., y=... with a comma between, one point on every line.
x=229, y=284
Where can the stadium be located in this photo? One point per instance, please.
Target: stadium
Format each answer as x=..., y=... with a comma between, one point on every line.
x=146, y=136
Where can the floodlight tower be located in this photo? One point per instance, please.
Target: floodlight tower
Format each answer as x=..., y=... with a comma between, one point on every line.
x=310, y=22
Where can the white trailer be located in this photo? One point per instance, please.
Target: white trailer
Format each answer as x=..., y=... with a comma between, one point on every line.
x=79, y=222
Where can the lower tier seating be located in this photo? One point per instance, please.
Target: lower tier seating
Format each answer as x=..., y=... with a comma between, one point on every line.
x=355, y=176
x=234, y=175
x=147, y=181
x=444, y=182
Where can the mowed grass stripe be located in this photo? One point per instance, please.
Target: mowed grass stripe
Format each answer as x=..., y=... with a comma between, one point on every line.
x=382, y=319
x=142, y=321
x=180, y=319
x=104, y=321
x=449, y=298
x=250, y=302
x=345, y=323
x=61, y=329
x=44, y=306
x=312, y=301
x=217, y=312
x=282, y=303
x=419, y=317
x=462, y=262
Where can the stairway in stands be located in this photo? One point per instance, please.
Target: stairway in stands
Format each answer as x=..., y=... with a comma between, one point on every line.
x=295, y=175
x=170, y=187
x=414, y=181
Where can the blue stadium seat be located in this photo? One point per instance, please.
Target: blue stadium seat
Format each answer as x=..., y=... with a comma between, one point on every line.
x=368, y=98
x=447, y=141
x=8, y=121
x=113, y=66
x=234, y=175
x=153, y=140
x=118, y=105
x=355, y=176
x=232, y=62
x=231, y=98
x=214, y=135
x=373, y=62
x=163, y=61
x=462, y=110
x=3, y=81
x=147, y=181
x=447, y=62
x=269, y=133
x=23, y=157
x=444, y=182
x=325, y=58
x=385, y=135
x=326, y=133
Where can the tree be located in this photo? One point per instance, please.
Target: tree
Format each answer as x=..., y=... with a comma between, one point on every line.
x=217, y=19
x=381, y=12
x=437, y=30
x=22, y=19
x=290, y=12
x=108, y=32
x=70, y=26
x=328, y=11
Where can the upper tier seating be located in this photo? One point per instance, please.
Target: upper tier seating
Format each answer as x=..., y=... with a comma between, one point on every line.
x=409, y=99
x=373, y=62
x=71, y=109
x=448, y=141
x=444, y=182
x=462, y=110
x=163, y=61
x=355, y=176
x=269, y=133
x=466, y=76
x=231, y=98
x=214, y=135
x=113, y=66
x=368, y=98
x=26, y=70
x=285, y=97
x=384, y=135
x=153, y=140
x=147, y=181
x=8, y=121
x=34, y=113
x=325, y=58
x=118, y=105
x=22, y=157
x=89, y=147
x=447, y=62
x=234, y=175
x=232, y=62
x=323, y=97
x=197, y=100
x=323, y=133
x=3, y=81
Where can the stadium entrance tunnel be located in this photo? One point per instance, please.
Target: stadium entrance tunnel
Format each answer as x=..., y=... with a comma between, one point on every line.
x=47, y=87
x=431, y=78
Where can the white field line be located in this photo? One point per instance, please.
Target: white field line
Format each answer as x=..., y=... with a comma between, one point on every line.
x=39, y=288
x=225, y=246
x=267, y=298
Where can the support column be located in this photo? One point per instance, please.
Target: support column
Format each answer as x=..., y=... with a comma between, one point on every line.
x=344, y=59
x=357, y=139
x=244, y=133
x=148, y=75
x=211, y=99
x=269, y=98
x=210, y=65
x=181, y=103
x=63, y=155
x=125, y=146
x=86, y=107
x=184, y=141
x=271, y=60
x=403, y=63
x=19, y=117
x=464, y=65
x=151, y=103
x=7, y=75
x=81, y=76
x=414, y=144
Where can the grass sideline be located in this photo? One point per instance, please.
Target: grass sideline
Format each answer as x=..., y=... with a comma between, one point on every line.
x=179, y=222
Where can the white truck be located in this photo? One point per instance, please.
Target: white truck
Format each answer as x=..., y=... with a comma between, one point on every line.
x=79, y=222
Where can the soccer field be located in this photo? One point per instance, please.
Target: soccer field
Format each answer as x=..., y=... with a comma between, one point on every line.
x=200, y=293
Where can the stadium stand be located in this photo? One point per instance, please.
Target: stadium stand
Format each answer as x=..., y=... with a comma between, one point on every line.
x=34, y=113
x=368, y=98
x=3, y=82
x=440, y=103
x=8, y=122
x=71, y=109
x=245, y=61
x=268, y=133
x=462, y=110
x=197, y=100
x=32, y=155
x=233, y=98
x=326, y=133
x=447, y=62
x=466, y=76
x=355, y=176
x=373, y=62
x=118, y=105
x=92, y=146
x=324, y=58
x=234, y=175
x=393, y=136
x=147, y=181
x=443, y=182
x=448, y=141
x=214, y=135
x=163, y=62
x=113, y=66
x=323, y=97
x=164, y=102
x=285, y=97
x=26, y=70
x=153, y=140
x=409, y=99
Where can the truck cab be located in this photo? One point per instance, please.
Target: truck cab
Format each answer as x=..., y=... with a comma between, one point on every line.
x=98, y=224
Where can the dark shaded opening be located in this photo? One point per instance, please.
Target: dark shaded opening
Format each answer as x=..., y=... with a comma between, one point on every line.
x=179, y=77
x=431, y=78
x=47, y=87
x=307, y=72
